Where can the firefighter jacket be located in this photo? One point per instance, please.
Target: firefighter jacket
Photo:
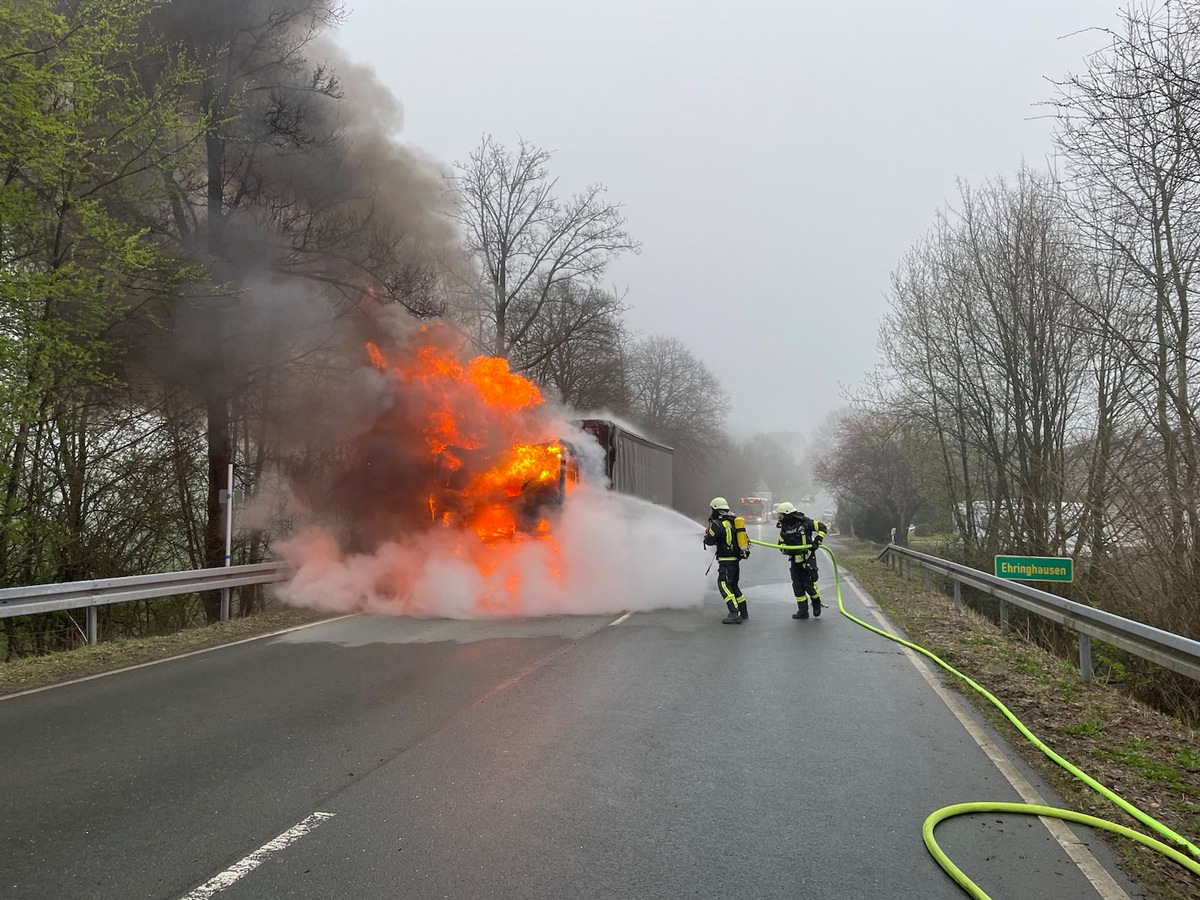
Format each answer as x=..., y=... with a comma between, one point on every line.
x=722, y=535
x=795, y=530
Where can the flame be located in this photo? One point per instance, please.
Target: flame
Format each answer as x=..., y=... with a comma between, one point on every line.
x=486, y=380
x=524, y=465
x=496, y=467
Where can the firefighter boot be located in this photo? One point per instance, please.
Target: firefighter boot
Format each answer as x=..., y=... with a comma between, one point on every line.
x=742, y=611
x=817, y=606
x=733, y=618
x=802, y=611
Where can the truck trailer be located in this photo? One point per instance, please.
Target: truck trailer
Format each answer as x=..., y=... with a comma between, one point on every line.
x=633, y=463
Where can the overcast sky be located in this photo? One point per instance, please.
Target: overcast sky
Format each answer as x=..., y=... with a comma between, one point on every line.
x=775, y=159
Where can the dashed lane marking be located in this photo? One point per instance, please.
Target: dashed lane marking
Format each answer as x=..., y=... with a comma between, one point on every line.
x=245, y=866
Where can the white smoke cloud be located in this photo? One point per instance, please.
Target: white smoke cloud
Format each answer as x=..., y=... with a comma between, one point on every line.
x=607, y=553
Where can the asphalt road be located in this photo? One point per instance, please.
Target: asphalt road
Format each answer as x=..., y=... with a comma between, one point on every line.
x=663, y=755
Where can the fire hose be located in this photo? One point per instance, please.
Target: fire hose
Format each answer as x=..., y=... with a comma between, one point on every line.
x=1190, y=860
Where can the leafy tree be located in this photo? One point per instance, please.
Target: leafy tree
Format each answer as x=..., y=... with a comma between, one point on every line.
x=80, y=269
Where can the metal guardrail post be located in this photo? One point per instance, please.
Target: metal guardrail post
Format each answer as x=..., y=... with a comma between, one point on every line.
x=928, y=581
x=1003, y=616
x=957, y=594
x=224, y=604
x=1085, y=657
x=92, y=625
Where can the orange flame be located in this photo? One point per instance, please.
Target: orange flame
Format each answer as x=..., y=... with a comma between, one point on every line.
x=494, y=470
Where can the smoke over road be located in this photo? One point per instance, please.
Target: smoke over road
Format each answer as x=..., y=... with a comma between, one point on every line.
x=607, y=555
x=464, y=494
x=413, y=477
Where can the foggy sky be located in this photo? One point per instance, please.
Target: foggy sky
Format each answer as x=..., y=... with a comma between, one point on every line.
x=775, y=159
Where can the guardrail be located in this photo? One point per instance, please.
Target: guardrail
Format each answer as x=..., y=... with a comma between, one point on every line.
x=90, y=595
x=1169, y=650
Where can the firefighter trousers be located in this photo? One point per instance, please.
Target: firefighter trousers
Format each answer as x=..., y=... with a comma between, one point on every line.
x=728, y=573
x=804, y=579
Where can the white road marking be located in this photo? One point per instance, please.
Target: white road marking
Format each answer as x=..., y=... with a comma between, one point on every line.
x=1091, y=867
x=258, y=857
x=155, y=662
x=619, y=620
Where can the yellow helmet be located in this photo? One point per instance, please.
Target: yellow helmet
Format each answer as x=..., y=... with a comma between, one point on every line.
x=720, y=503
x=785, y=508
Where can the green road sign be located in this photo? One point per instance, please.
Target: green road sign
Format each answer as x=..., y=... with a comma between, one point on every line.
x=1035, y=568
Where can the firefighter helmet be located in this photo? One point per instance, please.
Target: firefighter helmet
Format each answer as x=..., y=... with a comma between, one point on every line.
x=785, y=508
x=720, y=503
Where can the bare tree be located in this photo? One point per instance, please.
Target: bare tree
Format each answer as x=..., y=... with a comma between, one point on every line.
x=880, y=460
x=772, y=462
x=576, y=348
x=679, y=400
x=527, y=242
x=1129, y=126
x=991, y=351
x=675, y=395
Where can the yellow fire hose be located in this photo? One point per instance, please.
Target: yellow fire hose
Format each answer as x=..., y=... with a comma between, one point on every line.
x=1190, y=860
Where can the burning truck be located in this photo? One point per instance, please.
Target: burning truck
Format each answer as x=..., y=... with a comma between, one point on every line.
x=489, y=459
x=502, y=498
x=468, y=445
x=450, y=493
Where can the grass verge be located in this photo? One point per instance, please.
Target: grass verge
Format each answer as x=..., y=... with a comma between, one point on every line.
x=1150, y=759
x=38, y=671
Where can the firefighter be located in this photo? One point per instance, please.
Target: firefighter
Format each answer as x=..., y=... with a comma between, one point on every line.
x=723, y=533
x=796, y=529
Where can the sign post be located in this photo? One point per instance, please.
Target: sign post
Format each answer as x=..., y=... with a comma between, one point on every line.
x=227, y=498
x=1035, y=568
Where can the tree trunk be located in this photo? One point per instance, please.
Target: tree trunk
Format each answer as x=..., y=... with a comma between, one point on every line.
x=216, y=399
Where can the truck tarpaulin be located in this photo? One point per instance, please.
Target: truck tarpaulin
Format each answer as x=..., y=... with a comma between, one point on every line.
x=634, y=464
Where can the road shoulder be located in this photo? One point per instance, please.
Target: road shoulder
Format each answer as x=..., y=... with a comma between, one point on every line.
x=1145, y=756
x=34, y=672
